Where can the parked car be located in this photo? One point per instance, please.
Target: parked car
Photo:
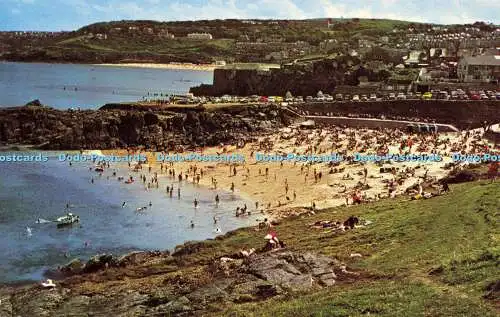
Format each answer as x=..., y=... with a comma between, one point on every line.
x=355, y=98
x=309, y=98
x=427, y=96
x=463, y=96
x=443, y=95
x=475, y=97
x=254, y=98
x=373, y=97
x=418, y=95
x=498, y=95
x=299, y=99
x=263, y=99
x=392, y=96
x=328, y=98
x=401, y=96
x=226, y=98
x=271, y=99
x=278, y=99
x=347, y=97
x=364, y=98
x=409, y=95
x=339, y=97
x=484, y=97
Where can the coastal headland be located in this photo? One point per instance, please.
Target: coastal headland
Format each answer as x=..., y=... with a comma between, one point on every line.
x=317, y=272
x=324, y=265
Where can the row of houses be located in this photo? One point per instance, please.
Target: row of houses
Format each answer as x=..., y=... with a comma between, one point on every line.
x=30, y=34
x=484, y=68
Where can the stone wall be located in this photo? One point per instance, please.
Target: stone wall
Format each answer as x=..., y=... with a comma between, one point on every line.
x=462, y=114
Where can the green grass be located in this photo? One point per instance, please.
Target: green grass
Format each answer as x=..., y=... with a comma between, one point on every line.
x=421, y=258
x=379, y=298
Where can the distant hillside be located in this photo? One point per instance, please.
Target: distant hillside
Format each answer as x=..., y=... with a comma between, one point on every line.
x=233, y=40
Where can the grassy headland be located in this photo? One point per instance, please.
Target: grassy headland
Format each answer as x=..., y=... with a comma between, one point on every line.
x=152, y=41
x=434, y=257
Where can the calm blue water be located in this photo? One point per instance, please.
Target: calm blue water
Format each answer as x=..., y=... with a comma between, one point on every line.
x=29, y=191
x=54, y=84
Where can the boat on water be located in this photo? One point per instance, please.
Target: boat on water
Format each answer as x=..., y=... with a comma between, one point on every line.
x=67, y=220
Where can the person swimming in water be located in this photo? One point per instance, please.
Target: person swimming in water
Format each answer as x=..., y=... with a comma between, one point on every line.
x=124, y=204
x=195, y=203
x=192, y=224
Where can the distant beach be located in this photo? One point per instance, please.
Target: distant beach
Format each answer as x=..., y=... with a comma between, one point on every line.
x=179, y=66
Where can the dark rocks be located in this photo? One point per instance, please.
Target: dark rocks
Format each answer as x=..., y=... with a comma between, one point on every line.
x=75, y=266
x=213, y=292
x=100, y=262
x=139, y=257
x=53, y=129
x=181, y=304
x=34, y=103
x=461, y=176
x=493, y=291
x=294, y=270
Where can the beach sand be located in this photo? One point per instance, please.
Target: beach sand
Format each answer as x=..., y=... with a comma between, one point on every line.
x=173, y=66
x=331, y=190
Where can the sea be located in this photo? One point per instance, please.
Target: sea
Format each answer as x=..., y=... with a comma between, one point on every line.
x=42, y=190
x=64, y=86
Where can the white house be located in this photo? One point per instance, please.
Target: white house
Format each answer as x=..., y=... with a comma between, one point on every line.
x=484, y=68
x=200, y=36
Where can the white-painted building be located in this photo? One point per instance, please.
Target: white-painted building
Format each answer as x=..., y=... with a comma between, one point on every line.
x=484, y=68
x=200, y=36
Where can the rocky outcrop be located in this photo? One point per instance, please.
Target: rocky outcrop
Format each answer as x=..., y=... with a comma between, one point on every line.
x=48, y=128
x=299, y=79
x=222, y=281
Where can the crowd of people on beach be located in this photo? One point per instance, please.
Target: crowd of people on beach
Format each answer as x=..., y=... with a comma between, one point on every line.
x=288, y=184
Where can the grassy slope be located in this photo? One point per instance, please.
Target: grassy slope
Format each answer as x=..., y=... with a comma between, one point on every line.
x=455, y=235
x=220, y=47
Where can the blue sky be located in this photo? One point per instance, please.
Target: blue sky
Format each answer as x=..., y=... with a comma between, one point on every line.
x=55, y=15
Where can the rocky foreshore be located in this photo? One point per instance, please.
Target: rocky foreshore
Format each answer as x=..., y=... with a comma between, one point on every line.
x=165, y=284
x=51, y=129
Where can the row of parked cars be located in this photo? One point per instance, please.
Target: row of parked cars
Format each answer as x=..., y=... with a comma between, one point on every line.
x=458, y=94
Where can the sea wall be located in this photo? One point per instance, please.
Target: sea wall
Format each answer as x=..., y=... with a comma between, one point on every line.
x=461, y=114
x=374, y=123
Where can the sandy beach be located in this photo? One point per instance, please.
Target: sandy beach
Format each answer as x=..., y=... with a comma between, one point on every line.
x=288, y=188
x=173, y=66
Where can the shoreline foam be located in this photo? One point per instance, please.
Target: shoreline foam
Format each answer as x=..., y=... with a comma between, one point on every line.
x=173, y=66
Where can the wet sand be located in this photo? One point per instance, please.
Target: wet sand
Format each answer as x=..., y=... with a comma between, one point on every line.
x=179, y=66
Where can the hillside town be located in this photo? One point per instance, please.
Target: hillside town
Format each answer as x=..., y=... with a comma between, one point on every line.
x=402, y=51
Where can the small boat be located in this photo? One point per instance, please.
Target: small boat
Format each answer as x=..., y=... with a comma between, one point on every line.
x=99, y=169
x=129, y=181
x=67, y=220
